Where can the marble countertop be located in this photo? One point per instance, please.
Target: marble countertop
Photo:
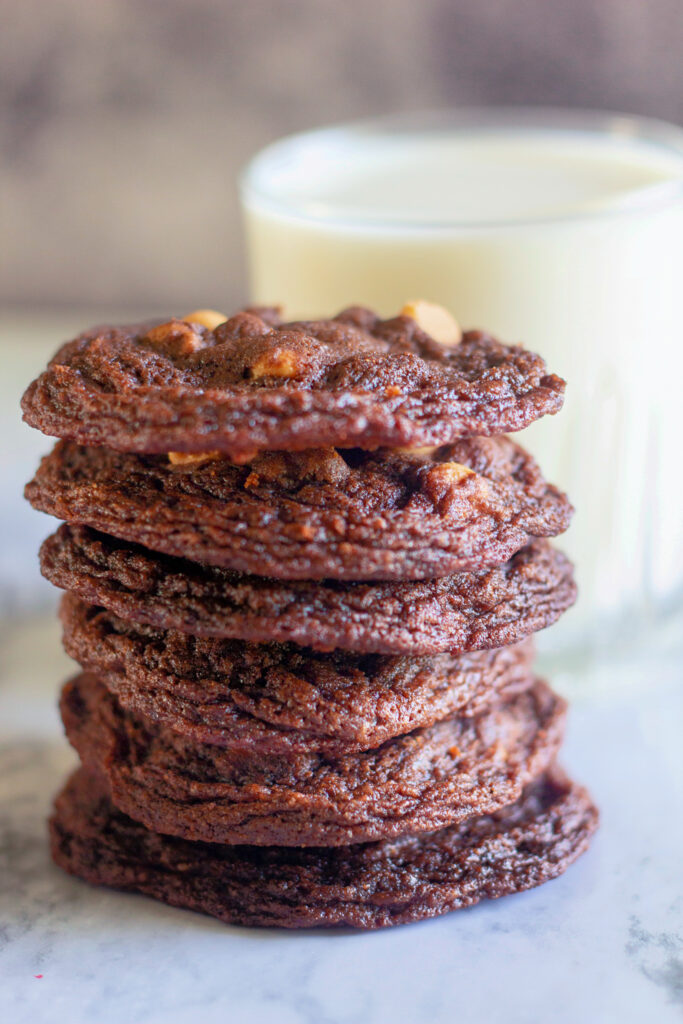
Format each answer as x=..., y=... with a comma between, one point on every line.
x=604, y=943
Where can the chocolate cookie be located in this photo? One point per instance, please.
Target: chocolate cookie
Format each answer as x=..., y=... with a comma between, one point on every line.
x=253, y=384
x=466, y=611
x=368, y=886
x=279, y=697
x=350, y=514
x=424, y=780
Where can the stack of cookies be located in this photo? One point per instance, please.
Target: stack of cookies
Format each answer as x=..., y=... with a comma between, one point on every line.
x=303, y=566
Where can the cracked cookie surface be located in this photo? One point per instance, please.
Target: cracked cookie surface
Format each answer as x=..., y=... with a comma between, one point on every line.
x=427, y=779
x=462, y=612
x=322, y=513
x=279, y=697
x=370, y=885
x=254, y=384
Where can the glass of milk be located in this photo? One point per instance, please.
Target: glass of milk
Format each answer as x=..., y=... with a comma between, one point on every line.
x=562, y=230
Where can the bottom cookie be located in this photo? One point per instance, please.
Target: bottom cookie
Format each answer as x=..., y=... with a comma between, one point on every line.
x=371, y=885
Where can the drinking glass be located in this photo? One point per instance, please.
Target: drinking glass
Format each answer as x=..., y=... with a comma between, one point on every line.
x=561, y=230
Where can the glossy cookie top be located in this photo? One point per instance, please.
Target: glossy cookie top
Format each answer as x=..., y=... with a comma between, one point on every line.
x=253, y=383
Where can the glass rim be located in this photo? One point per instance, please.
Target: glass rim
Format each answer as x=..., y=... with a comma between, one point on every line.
x=668, y=137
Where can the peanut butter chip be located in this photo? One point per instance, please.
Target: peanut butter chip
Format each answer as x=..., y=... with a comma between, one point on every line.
x=176, y=336
x=452, y=472
x=435, y=321
x=192, y=458
x=426, y=452
x=443, y=484
x=281, y=362
x=209, y=318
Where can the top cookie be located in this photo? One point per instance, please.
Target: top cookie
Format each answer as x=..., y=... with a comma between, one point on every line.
x=254, y=383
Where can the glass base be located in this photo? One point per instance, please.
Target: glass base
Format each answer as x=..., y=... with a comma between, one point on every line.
x=618, y=652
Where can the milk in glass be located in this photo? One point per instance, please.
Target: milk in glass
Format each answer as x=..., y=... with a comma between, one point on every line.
x=563, y=232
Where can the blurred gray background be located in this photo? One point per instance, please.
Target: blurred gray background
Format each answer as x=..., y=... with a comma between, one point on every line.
x=124, y=122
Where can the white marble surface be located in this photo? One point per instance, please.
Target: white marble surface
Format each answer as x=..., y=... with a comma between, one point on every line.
x=602, y=944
